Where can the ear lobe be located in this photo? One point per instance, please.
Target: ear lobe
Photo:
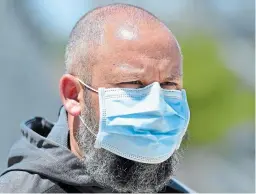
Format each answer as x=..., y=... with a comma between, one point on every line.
x=73, y=107
x=69, y=92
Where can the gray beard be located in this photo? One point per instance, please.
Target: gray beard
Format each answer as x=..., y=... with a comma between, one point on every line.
x=118, y=173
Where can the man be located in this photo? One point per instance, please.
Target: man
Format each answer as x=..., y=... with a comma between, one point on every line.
x=124, y=112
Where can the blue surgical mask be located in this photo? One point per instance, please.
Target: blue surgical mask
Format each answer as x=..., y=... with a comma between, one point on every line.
x=144, y=125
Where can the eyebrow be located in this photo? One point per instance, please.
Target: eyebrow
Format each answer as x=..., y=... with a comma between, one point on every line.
x=136, y=74
x=174, y=76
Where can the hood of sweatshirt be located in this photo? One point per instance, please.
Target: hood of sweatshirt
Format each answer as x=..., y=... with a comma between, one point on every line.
x=44, y=149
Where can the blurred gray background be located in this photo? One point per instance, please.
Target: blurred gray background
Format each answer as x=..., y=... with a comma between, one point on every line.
x=218, y=41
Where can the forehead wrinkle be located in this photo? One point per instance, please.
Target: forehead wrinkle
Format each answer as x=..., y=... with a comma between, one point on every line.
x=170, y=69
x=124, y=72
x=127, y=66
x=129, y=70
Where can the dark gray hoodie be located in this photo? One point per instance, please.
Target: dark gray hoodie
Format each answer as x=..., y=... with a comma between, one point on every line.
x=41, y=162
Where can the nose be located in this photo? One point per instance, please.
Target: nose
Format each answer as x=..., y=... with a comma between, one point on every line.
x=156, y=99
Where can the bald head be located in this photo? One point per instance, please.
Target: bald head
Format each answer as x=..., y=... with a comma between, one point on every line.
x=105, y=27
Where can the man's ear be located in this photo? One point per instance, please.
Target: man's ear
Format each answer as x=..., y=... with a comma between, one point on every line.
x=70, y=90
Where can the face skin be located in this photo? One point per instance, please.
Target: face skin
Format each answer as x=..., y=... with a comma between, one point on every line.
x=131, y=56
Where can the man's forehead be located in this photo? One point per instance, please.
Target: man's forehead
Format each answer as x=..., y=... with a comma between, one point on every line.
x=132, y=70
x=134, y=47
x=155, y=42
x=141, y=51
x=134, y=58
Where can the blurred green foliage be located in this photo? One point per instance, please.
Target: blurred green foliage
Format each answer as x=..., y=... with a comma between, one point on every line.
x=217, y=98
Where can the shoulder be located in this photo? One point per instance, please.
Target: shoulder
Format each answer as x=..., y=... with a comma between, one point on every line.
x=25, y=182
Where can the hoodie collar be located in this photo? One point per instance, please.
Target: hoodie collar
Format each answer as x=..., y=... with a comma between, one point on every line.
x=43, y=150
x=60, y=131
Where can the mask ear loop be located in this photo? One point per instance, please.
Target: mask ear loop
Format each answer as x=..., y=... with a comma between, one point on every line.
x=89, y=87
x=87, y=126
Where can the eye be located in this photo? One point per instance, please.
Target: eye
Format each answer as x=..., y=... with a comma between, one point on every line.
x=131, y=84
x=169, y=85
x=135, y=82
